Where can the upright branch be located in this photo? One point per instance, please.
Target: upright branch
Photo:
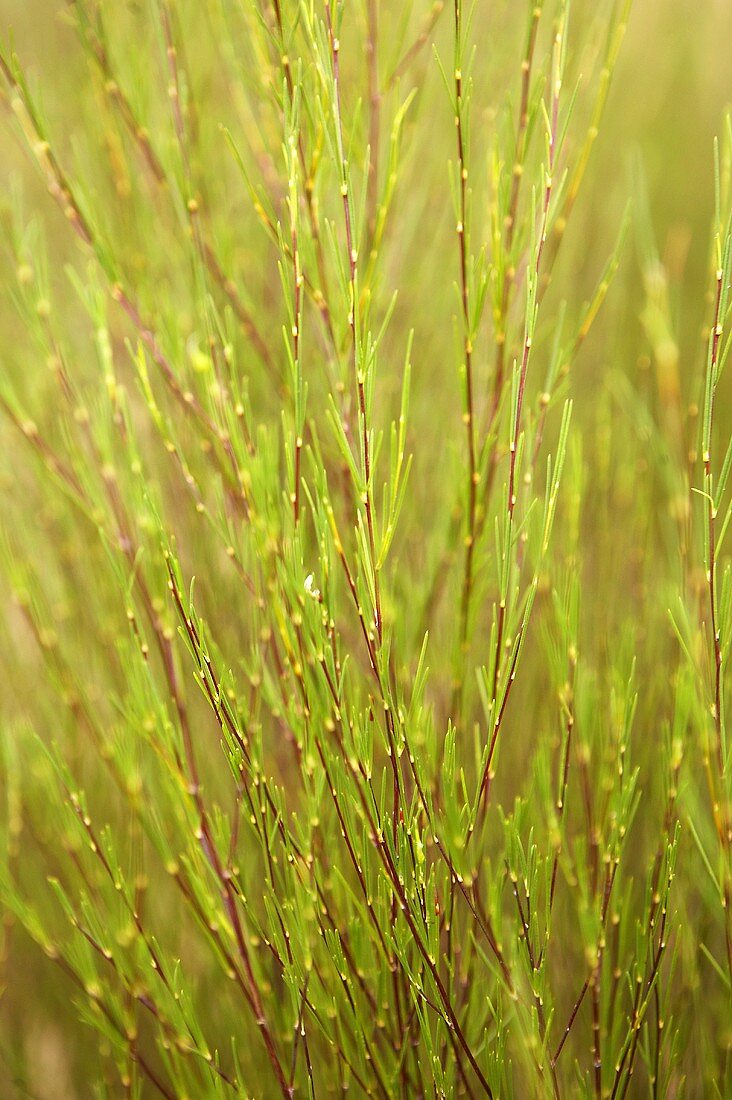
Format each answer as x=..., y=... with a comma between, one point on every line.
x=354, y=321
x=321, y=293
x=372, y=46
x=296, y=321
x=552, y=127
x=467, y=364
x=296, y=326
x=509, y=226
x=552, y=134
x=711, y=563
x=712, y=497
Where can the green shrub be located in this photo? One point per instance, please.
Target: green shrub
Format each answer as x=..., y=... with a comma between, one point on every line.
x=367, y=604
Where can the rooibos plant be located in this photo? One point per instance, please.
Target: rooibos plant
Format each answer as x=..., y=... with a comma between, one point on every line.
x=421, y=830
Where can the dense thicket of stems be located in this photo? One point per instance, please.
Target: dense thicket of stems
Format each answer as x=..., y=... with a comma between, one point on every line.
x=365, y=669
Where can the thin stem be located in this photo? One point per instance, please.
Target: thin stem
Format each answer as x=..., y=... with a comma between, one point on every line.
x=722, y=812
x=511, y=220
x=550, y=168
x=354, y=322
x=462, y=231
x=372, y=59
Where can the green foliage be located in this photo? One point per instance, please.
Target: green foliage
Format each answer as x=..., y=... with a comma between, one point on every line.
x=365, y=655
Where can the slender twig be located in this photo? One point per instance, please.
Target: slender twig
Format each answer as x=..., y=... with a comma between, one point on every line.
x=462, y=230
